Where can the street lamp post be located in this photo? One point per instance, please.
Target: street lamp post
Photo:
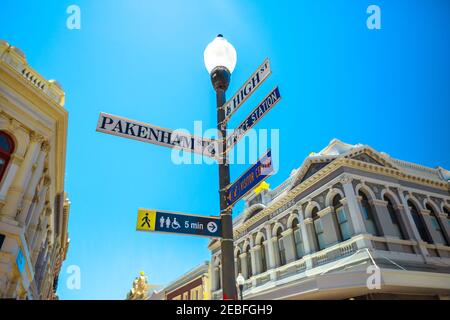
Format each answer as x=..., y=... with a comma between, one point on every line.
x=240, y=281
x=220, y=60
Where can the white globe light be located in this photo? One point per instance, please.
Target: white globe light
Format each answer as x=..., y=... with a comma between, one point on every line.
x=220, y=53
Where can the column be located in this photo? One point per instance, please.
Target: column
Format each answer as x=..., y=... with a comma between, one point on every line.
x=329, y=226
x=412, y=224
x=353, y=206
x=29, y=194
x=434, y=236
x=305, y=237
x=253, y=259
x=244, y=267
x=271, y=263
x=21, y=180
x=384, y=219
x=445, y=226
x=37, y=209
x=258, y=261
x=288, y=241
x=14, y=165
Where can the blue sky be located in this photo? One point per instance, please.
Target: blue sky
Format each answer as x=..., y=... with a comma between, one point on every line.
x=143, y=60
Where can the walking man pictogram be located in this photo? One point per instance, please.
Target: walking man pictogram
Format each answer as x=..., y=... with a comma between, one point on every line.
x=145, y=221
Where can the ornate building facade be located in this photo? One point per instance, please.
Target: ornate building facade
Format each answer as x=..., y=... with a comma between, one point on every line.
x=350, y=223
x=34, y=208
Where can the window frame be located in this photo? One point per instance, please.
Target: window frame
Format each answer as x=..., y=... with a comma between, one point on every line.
x=6, y=155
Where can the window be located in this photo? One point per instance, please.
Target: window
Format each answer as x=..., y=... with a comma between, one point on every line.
x=368, y=215
x=262, y=252
x=436, y=224
x=394, y=218
x=238, y=263
x=249, y=262
x=298, y=240
x=418, y=221
x=6, y=150
x=281, y=248
x=342, y=218
x=318, y=227
x=447, y=212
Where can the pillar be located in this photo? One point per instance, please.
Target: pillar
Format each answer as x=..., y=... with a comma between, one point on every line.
x=353, y=206
x=271, y=263
x=288, y=241
x=20, y=182
x=29, y=194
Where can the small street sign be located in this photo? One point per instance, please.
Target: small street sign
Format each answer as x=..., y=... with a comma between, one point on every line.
x=250, y=86
x=169, y=222
x=257, y=113
x=140, y=131
x=251, y=178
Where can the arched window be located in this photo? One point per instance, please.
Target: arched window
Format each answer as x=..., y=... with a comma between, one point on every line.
x=368, y=214
x=342, y=218
x=249, y=262
x=436, y=223
x=281, y=247
x=447, y=212
x=238, y=263
x=6, y=150
x=318, y=228
x=262, y=255
x=418, y=220
x=298, y=240
x=394, y=218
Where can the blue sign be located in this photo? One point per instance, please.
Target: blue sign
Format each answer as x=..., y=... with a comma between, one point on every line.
x=162, y=221
x=255, y=115
x=250, y=179
x=20, y=260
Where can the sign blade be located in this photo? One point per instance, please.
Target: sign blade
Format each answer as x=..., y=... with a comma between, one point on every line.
x=255, y=115
x=257, y=173
x=131, y=129
x=179, y=223
x=250, y=86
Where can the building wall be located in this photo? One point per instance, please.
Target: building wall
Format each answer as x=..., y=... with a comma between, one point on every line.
x=277, y=266
x=33, y=204
x=193, y=285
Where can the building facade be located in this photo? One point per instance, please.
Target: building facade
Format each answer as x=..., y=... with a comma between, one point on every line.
x=350, y=223
x=193, y=285
x=34, y=207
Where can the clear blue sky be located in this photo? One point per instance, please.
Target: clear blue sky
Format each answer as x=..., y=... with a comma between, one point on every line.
x=143, y=60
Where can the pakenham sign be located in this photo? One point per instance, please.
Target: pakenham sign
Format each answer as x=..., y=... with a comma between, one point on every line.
x=135, y=130
x=260, y=110
x=250, y=86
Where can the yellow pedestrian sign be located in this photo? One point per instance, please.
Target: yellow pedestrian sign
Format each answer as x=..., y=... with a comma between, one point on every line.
x=146, y=220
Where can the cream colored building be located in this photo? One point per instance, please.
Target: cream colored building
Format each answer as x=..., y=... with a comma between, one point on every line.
x=350, y=223
x=34, y=208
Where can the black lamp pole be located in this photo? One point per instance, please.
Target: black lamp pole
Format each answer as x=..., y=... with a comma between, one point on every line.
x=241, y=289
x=220, y=78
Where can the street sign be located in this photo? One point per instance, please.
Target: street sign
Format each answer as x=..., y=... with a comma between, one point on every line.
x=251, y=178
x=257, y=113
x=140, y=131
x=169, y=222
x=250, y=86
